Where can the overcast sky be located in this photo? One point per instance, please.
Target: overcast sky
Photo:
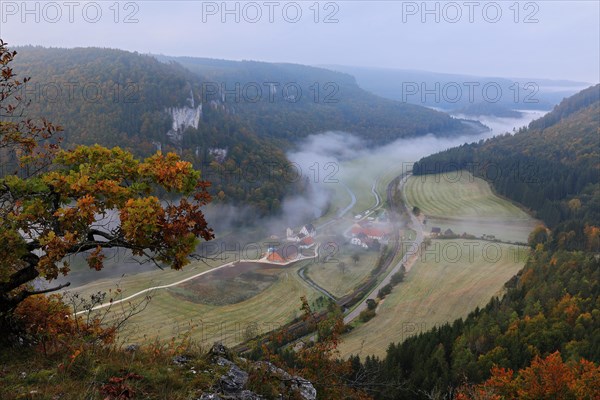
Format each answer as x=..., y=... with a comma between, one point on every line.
x=536, y=39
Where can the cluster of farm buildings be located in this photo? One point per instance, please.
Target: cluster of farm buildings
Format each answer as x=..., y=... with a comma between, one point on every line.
x=370, y=235
x=295, y=242
x=436, y=232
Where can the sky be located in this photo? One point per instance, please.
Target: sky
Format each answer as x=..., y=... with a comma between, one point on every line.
x=533, y=39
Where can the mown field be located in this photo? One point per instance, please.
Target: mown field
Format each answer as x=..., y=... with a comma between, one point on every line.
x=132, y=283
x=453, y=276
x=443, y=285
x=464, y=203
x=360, y=174
x=340, y=280
x=192, y=309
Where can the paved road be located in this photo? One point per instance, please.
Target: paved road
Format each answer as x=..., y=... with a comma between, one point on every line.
x=264, y=261
x=352, y=202
x=342, y=212
x=314, y=285
x=377, y=198
x=157, y=287
x=418, y=227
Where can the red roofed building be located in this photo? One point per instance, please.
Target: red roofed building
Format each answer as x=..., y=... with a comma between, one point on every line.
x=307, y=242
x=372, y=232
x=275, y=257
x=283, y=254
x=356, y=229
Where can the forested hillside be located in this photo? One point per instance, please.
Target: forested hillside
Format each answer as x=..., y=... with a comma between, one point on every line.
x=103, y=95
x=552, y=304
x=305, y=100
x=551, y=167
x=118, y=98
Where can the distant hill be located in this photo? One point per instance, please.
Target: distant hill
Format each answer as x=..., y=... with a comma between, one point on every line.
x=455, y=91
x=317, y=100
x=103, y=95
x=491, y=109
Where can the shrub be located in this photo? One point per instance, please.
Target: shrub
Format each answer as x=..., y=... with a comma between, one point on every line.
x=384, y=291
x=48, y=322
x=371, y=304
x=367, y=315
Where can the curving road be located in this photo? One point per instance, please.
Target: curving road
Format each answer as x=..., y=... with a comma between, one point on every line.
x=352, y=201
x=301, y=274
x=418, y=227
x=343, y=211
x=377, y=197
x=229, y=264
x=157, y=287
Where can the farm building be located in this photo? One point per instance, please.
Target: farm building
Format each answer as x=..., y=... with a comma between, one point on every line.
x=306, y=243
x=307, y=230
x=371, y=231
x=362, y=240
x=283, y=254
x=358, y=242
x=275, y=257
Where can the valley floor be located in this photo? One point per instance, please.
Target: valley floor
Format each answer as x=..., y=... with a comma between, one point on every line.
x=444, y=282
x=453, y=275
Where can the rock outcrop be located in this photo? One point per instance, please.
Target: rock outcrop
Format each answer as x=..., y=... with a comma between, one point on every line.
x=232, y=385
x=184, y=117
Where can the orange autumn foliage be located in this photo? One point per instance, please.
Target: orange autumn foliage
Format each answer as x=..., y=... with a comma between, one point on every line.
x=48, y=323
x=58, y=203
x=545, y=379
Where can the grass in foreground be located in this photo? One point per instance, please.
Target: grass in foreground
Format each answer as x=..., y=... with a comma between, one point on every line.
x=105, y=374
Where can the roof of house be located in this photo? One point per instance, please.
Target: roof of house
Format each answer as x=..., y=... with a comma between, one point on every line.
x=378, y=230
x=275, y=257
x=309, y=227
x=307, y=240
x=374, y=232
x=448, y=231
x=283, y=253
x=436, y=229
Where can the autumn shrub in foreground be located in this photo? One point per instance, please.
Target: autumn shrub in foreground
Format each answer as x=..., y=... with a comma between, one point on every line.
x=47, y=323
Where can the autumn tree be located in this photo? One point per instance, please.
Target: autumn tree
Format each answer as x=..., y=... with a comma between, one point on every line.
x=539, y=235
x=56, y=203
x=548, y=378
